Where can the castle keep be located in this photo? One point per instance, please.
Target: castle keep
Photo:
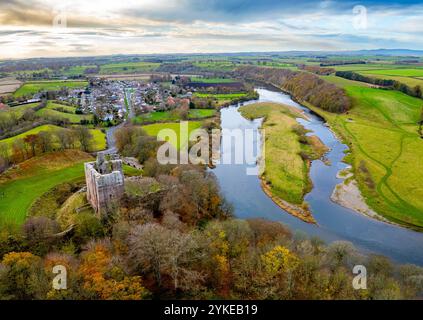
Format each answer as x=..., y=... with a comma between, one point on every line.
x=105, y=182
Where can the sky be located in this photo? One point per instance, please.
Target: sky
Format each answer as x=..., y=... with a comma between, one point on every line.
x=62, y=28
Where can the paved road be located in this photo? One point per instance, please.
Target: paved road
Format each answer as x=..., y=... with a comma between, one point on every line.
x=110, y=133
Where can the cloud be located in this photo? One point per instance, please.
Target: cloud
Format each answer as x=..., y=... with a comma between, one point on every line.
x=160, y=26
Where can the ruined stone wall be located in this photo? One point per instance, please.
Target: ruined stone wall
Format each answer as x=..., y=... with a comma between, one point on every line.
x=105, y=183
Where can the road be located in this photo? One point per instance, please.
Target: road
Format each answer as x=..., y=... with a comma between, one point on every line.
x=110, y=133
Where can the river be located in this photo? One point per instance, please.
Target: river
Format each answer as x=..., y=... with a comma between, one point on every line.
x=334, y=222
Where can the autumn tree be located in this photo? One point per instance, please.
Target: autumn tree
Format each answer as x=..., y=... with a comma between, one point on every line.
x=103, y=279
x=31, y=140
x=84, y=137
x=22, y=277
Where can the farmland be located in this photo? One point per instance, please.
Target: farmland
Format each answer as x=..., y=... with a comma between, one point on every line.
x=221, y=96
x=212, y=80
x=59, y=111
x=129, y=67
x=386, y=150
x=21, y=186
x=30, y=88
x=168, y=116
x=99, y=140
x=154, y=130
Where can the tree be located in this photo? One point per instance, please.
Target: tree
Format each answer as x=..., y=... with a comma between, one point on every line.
x=161, y=251
x=31, y=140
x=44, y=141
x=22, y=277
x=84, y=137
x=103, y=279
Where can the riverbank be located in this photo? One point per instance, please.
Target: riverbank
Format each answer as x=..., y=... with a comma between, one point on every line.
x=288, y=152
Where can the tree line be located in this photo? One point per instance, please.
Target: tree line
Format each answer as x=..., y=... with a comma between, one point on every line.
x=33, y=145
x=303, y=86
x=386, y=83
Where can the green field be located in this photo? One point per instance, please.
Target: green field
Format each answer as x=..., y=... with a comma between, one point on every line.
x=212, y=80
x=387, y=151
x=415, y=72
x=114, y=68
x=35, y=177
x=285, y=170
x=21, y=186
x=51, y=111
x=154, y=129
x=30, y=88
x=409, y=81
x=342, y=82
x=19, y=110
x=221, y=96
x=168, y=116
x=99, y=138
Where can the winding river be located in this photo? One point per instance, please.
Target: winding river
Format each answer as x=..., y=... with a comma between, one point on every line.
x=334, y=222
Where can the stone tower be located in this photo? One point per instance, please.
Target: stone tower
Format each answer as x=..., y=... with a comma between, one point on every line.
x=105, y=182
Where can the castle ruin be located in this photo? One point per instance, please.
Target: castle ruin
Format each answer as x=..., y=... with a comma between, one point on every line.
x=105, y=182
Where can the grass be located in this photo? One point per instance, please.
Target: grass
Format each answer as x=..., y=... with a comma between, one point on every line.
x=35, y=177
x=212, y=80
x=342, y=82
x=409, y=81
x=415, y=72
x=52, y=111
x=99, y=138
x=155, y=130
x=221, y=96
x=285, y=170
x=131, y=67
x=168, y=116
x=30, y=88
x=19, y=110
x=386, y=150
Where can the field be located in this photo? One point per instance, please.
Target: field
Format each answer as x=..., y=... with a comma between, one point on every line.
x=285, y=170
x=408, y=80
x=342, y=82
x=128, y=67
x=9, y=85
x=168, y=116
x=212, y=80
x=415, y=72
x=33, y=178
x=19, y=110
x=30, y=88
x=154, y=129
x=382, y=132
x=221, y=96
x=99, y=138
x=52, y=111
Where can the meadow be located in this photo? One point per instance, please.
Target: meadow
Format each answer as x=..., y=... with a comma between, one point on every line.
x=212, y=80
x=126, y=67
x=286, y=171
x=19, y=110
x=30, y=88
x=386, y=150
x=22, y=185
x=52, y=111
x=169, y=116
x=221, y=96
x=154, y=130
x=99, y=138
